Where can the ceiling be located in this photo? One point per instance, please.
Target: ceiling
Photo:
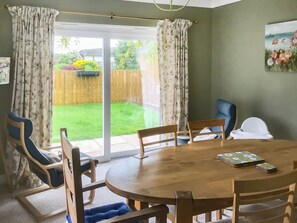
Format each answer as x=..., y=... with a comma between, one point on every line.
x=192, y=3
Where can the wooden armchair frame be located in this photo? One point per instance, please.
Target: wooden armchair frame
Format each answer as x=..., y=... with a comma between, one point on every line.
x=35, y=165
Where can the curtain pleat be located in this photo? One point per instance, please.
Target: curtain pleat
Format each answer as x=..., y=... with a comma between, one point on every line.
x=173, y=67
x=33, y=35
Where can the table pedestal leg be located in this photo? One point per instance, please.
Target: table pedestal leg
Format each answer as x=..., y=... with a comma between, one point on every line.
x=184, y=207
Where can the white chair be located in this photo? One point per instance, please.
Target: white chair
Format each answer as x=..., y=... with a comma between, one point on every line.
x=252, y=128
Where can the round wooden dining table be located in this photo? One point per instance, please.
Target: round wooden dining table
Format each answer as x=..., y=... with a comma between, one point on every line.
x=195, y=168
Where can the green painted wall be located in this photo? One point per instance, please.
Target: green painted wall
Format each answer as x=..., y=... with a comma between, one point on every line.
x=238, y=64
x=199, y=42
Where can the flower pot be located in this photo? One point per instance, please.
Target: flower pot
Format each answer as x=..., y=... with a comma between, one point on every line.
x=87, y=73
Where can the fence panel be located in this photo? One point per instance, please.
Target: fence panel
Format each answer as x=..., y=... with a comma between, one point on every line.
x=70, y=89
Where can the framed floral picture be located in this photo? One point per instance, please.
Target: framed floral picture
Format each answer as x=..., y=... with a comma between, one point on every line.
x=281, y=47
x=4, y=70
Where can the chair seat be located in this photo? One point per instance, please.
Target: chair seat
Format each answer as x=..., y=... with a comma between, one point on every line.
x=104, y=212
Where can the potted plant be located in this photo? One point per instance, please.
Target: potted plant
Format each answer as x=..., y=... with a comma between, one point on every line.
x=87, y=68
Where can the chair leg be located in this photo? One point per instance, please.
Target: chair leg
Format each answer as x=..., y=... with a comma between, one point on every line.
x=141, y=205
x=161, y=219
x=171, y=217
x=131, y=203
x=207, y=216
x=195, y=218
x=219, y=214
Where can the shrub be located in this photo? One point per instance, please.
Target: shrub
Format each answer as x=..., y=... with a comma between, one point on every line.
x=59, y=66
x=86, y=65
x=69, y=67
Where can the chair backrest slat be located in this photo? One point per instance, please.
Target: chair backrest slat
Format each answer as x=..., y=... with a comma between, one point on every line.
x=196, y=126
x=157, y=131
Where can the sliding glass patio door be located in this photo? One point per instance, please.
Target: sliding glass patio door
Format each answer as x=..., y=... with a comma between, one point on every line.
x=108, y=86
x=134, y=88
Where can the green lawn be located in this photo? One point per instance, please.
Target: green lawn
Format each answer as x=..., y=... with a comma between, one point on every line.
x=84, y=121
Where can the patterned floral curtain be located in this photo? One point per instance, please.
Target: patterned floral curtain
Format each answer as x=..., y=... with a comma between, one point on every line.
x=32, y=33
x=173, y=68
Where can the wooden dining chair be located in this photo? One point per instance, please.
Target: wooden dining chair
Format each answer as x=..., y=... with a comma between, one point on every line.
x=111, y=213
x=267, y=200
x=152, y=136
x=201, y=128
x=224, y=110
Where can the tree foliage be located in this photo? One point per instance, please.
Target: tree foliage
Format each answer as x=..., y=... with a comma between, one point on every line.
x=125, y=55
x=68, y=58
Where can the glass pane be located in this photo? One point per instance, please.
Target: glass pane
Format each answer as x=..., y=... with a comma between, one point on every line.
x=134, y=91
x=78, y=92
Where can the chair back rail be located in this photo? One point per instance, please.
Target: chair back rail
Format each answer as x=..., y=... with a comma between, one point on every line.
x=162, y=130
x=196, y=126
x=278, y=190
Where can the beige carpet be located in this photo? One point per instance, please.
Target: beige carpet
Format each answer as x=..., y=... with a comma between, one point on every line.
x=11, y=211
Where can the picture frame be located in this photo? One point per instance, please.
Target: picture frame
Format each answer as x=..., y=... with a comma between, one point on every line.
x=4, y=70
x=281, y=47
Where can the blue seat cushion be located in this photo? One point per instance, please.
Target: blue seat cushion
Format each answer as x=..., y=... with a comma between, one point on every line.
x=103, y=212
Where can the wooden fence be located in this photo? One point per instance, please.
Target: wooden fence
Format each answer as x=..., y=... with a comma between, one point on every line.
x=126, y=86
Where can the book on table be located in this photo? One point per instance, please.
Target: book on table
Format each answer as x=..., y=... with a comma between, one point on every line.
x=240, y=158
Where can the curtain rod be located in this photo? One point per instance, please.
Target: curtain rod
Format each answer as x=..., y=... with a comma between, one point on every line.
x=111, y=15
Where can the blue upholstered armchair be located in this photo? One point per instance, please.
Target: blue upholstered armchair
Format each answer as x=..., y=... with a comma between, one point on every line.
x=227, y=111
x=46, y=165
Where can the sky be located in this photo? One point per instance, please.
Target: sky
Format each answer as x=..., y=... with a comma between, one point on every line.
x=80, y=43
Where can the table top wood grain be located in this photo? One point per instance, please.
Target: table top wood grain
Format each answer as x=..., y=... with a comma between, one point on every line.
x=195, y=167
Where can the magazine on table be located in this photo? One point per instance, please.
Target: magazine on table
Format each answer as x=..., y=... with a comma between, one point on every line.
x=240, y=158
